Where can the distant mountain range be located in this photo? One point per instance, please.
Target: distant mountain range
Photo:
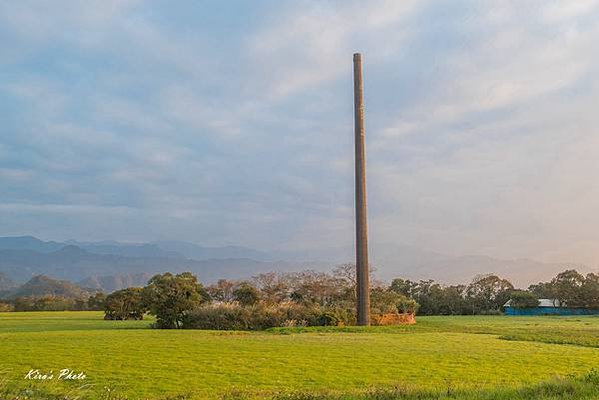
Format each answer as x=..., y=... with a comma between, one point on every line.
x=111, y=283
x=5, y=282
x=165, y=249
x=112, y=265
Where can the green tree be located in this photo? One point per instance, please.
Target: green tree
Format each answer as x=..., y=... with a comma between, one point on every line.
x=590, y=291
x=170, y=297
x=523, y=299
x=246, y=294
x=404, y=287
x=567, y=287
x=543, y=290
x=96, y=301
x=453, y=301
x=433, y=299
x=488, y=293
x=124, y=304
x=427, y=293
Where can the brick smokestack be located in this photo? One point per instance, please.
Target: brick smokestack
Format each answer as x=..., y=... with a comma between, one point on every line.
x=362, y=275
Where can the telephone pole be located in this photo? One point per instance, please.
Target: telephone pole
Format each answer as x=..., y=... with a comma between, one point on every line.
x=362, y=275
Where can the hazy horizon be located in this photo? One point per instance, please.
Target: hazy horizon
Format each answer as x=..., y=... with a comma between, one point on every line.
x=232, y=124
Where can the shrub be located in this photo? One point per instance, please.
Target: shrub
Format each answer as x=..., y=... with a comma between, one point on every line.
x=385, y=301
x=406, y=305
x=234, y=316
x=218, y=316
x=328, y=319
x=344, y=315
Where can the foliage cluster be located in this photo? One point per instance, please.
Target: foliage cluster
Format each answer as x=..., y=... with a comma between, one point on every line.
x=487, y=294
x=235, y=316
x=306, y=298
x=49, y=303
x=523, y=299
x=316, y=298
x=124, y=304
x=571, y=289
x=42, y=293
x=168, y=297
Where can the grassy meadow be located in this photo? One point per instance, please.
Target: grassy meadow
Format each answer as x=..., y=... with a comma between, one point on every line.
x=440, y=357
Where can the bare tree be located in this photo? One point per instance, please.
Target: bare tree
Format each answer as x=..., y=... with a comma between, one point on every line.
x=274, y=286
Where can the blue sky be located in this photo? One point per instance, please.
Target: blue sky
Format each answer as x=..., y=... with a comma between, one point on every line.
x=231, y=123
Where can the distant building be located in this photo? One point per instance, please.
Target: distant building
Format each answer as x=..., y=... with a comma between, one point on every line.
x=548, y=307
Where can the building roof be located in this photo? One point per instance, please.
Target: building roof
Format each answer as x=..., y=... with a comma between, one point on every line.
x=549, y=303
x=542, y=303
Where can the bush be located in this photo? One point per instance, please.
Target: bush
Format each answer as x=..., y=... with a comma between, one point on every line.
x=328, y=319
x=344, y=315
x=406, y=305
x=234, y=316
x=386, y=301
x=218, y=317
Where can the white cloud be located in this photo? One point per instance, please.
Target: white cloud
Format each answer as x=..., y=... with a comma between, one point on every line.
x=311, y=45
x=558, y=11
x=85, y=24
x=498, y=155
x=481, y=124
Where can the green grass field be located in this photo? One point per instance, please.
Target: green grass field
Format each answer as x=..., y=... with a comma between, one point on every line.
x=440, y=355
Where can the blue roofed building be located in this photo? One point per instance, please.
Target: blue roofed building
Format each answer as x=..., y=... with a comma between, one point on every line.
x=548, y=307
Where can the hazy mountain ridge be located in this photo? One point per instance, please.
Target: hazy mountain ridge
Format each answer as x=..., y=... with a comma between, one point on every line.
x=111, y=265
x=111, y=283
x=29, y=243
x=106, y=270
x=5, y=282
x=197, y=252
x=164, y=249
x=126, y=249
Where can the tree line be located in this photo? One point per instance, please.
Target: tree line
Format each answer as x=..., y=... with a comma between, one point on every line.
x=487, y=294
x=318, y=298
x=312, y=297
x=52, y=302
x=306, y=298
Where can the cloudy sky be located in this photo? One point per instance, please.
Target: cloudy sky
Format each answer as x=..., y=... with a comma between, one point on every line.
x=232, y=123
